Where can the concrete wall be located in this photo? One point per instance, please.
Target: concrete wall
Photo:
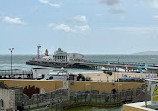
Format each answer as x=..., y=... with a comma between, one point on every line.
x=129, y=108
x=103, y=86
x=38, y=72
x=8, y=98
x=49, y=86
x=139, y=106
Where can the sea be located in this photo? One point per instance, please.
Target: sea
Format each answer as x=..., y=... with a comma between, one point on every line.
x=19, y=61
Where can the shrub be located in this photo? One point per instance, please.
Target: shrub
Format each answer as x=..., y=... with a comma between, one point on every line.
x=80, y=76
x=108, y=72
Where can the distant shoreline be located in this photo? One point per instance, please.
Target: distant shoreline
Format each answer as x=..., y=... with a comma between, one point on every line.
x=147, y=53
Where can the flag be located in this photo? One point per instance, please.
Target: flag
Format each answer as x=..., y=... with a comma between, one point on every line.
x=126, y=68
x=140, y=68
x=149, y=75
x=155, y=75
x=146, y=67
x=145, y=76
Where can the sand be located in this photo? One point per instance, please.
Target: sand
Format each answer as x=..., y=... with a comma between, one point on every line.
x=115, y=75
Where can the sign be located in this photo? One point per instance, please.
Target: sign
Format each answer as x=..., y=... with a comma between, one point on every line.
x=154, y=94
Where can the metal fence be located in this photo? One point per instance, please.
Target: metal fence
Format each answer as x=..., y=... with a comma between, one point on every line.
x=95, y=98
x=15, y=72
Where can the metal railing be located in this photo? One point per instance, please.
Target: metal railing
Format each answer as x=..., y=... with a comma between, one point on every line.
x=15, y=72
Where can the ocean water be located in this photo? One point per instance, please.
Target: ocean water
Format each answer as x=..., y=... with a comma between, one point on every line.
x=149, y=59
x=20, y=60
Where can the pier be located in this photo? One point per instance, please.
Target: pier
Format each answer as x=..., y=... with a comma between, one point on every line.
x=115, y=66
x=111, y=66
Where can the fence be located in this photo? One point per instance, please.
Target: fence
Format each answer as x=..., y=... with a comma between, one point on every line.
x=8, y=74
x=104, y=100
x=95, y=98
x=18, y=72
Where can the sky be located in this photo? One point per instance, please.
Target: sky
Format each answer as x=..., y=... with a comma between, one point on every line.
x=80, y=26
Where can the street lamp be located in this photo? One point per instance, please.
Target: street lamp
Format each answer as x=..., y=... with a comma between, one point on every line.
x=67, y=83
x=11, y=51
x=38, y=51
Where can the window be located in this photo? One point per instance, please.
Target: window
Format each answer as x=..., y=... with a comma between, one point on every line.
x=1, y=104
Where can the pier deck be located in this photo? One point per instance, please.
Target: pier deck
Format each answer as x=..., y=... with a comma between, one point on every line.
x=114, y=66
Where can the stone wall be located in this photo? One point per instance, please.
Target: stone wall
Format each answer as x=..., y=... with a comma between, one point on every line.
x=45, y=98
x=7, y=99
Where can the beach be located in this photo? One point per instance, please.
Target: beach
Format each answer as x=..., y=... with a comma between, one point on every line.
x=102, y=77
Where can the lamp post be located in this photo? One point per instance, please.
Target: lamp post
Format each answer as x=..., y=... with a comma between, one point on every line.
x=38, y=51
x=11, y=51
x=118, y=68
x=68, y=84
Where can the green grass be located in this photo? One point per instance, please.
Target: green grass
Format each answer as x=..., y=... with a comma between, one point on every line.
x=91, y=108
x=39, y=107
x=52, y=109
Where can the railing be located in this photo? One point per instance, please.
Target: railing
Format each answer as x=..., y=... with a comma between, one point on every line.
x=15, y=72
x=120, y=63
x=101, y=99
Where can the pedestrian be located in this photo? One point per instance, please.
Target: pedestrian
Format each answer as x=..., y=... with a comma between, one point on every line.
x=114, y=93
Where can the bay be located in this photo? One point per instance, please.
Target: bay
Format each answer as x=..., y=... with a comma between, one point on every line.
x=19, y=61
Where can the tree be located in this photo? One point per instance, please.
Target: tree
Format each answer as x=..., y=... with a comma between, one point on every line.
x=80, y=76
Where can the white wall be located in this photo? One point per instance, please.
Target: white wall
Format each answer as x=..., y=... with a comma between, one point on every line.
x=74, y=57
x=38, y=72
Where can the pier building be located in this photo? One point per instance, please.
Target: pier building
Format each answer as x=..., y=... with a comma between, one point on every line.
x=58, y=60
x=62, y=56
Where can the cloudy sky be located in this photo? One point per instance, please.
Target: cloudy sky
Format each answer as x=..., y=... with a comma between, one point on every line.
x=84, y=26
